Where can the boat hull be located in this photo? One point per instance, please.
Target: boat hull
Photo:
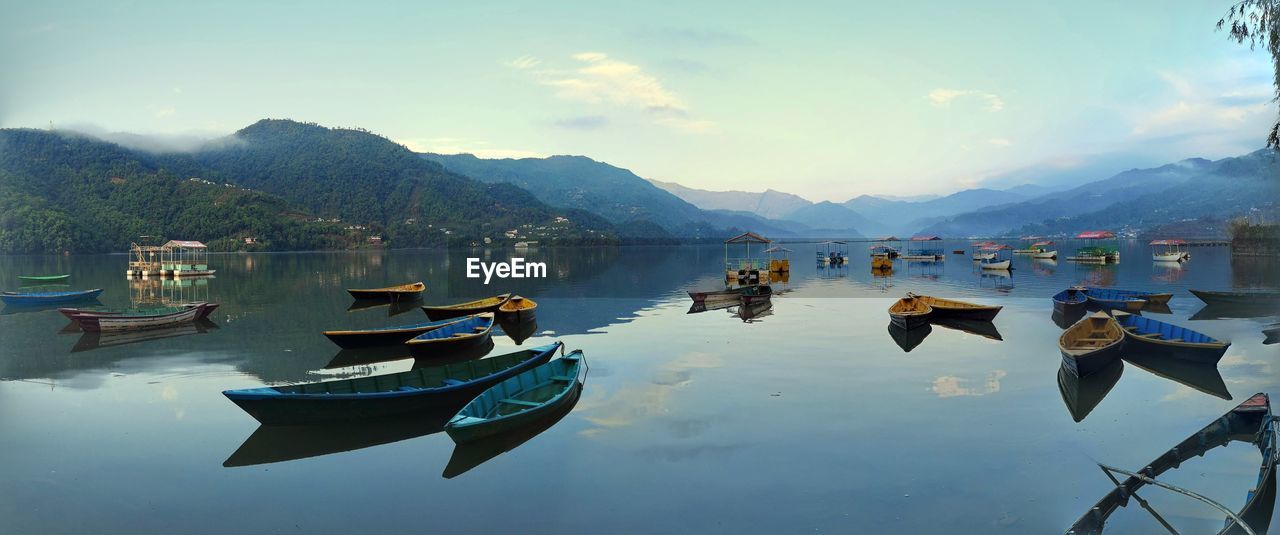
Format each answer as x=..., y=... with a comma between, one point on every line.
x=445, y=312
x=1171, y=257
x=49, y=299
x=44, y=278
x=1257, y=298
x=1001, y=265
x=909, y=321
x=380, y=337
x=122, y=322
x=1131, y=305
x=1086, y=364
x=1049, y=255
x=404, y=292
x=465, y=427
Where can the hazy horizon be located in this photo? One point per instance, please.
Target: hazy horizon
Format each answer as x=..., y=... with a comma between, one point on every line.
x=826, y=102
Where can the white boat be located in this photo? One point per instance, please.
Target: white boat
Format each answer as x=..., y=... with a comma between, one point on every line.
x=129, y=322
x=983, y=256
x=1043, y=254
x=1167, y=257
x=1001, y=265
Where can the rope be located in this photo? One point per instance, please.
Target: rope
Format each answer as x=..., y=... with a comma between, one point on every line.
x=1152, y=481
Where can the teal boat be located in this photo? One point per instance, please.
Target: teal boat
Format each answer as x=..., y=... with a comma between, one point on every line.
x=44, y=278
x=518, y=401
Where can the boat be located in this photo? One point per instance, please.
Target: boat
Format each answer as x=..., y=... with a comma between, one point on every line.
x=378, y=396
x=517, y=307
x=1031, y=249
x=1083, y=394
x=1145, y=334
x=384, y=336
x=756, y=294
x=488, y=304
x=452, y=337
x=1111, y=293
x=1249, y=422
x=139, y=321
x=909, y=312
x=925, y=251
x=1108, y=299
x=1064, y=319
x=48, y=298
x=44, y=278
x=730, y=294
x=782, y=264
x=883, y=262
x=979, y=253
x=468, y=455
x=73, y=313
x=1091, y=344
x=1257, y=297
x=519, y=400
x=993, y=260
x=1042, y=251
x=389, y=293
x=951, y=308
x=1069, y=299
x=834, y=253
x=1169, y=251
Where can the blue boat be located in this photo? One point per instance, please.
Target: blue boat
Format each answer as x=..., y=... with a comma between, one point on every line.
x=453, y=337
x=415, y=391
x=1148, y=335
x=385, y=336
x=1112, y=299
x=518, y=401
x=1150, y=297
x=48, y=298
x=1070, y=300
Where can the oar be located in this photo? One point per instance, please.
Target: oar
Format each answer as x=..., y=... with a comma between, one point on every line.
x=1141, y=502
x=1152, y=481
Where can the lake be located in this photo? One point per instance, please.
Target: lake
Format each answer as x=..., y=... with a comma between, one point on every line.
x=808, y=417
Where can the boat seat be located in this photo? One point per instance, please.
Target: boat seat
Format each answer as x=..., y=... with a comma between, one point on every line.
x=1091, y=339
x=519, y=402
x=565, y=378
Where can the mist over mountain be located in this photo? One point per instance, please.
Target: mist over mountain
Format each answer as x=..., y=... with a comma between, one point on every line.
x=769, y=203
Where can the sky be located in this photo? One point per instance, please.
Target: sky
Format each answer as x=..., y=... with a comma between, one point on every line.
x=828, y=100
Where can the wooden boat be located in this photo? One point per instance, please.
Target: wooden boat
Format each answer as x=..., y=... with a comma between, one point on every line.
x=881, y=262
x=139, y=321
x=756, y=294
x=385, y=336
x=1041, y=250
x=377, y=396
x=1145, y=334
x=488, y=304
x=1239, y=297
x=996, y=265
x=910, y=312
x=1064, y=319
x=1069, y=299
x=452, y=337
x=518, y=401
x=72, y=313
x=1091, y=344
x=951, y=308
x=1083, y=394
x=1109, y=299
x=517, y=307
x=389, y=293
x=469, y=455
x=44, y=278
x=1112, y=293
x=48, y=298
x=1250, y=422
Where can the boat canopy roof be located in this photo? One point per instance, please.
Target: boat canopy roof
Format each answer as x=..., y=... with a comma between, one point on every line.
x=777, y=249
x=925, y=238
x=882, y=248
x=1029, y=238
x=996, y=247
x=1096, y=234
x=1168, y=242
x=1042, y=243
x=748, y=237
x=185, y=244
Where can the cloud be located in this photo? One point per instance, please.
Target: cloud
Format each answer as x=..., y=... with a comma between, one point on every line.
x=1227, y=113
x=693, y=37
x=523, y=62
x=600, y=79
x=942, y=97
x=585, y=122
x=999, y=142
x=951, y=386
x=477, y=148
x=166, y=112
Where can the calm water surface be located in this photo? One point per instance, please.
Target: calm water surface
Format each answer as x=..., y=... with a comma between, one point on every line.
x=808, y=418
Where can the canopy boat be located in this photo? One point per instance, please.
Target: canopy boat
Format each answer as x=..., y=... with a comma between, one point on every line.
x=453, y=337
x=833, y=252
x=413, y=391
x=1091, y=344
x=48, y=298
x=390, y=293
x=1108, y=299
x=1101, y=249
x=488, y=304
x=1239, y=297
x=1145, y=334
x=517, y=307
x=979, y=253
x=1042, y=251
x=73, y=313
x=44, y=278
x=881, y=248
x=748, y=268
x=781, y=264
x=881, y=263
x=138, y=321
x=909, y=312
x=1083, y=394
x=1030, y=249
x=1071, y=298
x=950, y=308
x=924, y=249
x=1112, y=293
x=996, y=261
x=385, y=336
x=1168, y=251
x=1250, y=422
x=518, y=401
x=756, y=294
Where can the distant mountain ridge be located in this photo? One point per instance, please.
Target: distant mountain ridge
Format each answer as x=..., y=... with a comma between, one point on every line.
x=769, y=203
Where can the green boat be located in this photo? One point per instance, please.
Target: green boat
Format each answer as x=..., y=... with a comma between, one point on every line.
x=44, y=278
x=518, y=401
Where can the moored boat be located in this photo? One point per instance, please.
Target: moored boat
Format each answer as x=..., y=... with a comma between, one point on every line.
x=452, y=337
x=1145, y=334
x=909, y=312
x=1073, y=298
x=384, y=336
x=389, y=293
x=517, y=307
x=44, y=278
x=951, y=308
x=1109, y=299
x=139, y=321
x=48, y=298
x=994, y=260
x=1250, y=422
x=1042, y=251
x=1152, y=297
x=1168, y=251
x=412, y=391
x=72, y=313
x=519, y=400
x=729, y=294
x=488, y=304
x=756, y=294
x=1091, y=344
x=1258, y=297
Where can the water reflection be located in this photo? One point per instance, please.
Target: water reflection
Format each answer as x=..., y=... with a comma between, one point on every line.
x=518, y=329
x=1082, y=394
x=394, y=308
x=754, y=311
x=1203, y=377
x=909, y=339
x=469, y=455
x=91, y=340
x=278, y=443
